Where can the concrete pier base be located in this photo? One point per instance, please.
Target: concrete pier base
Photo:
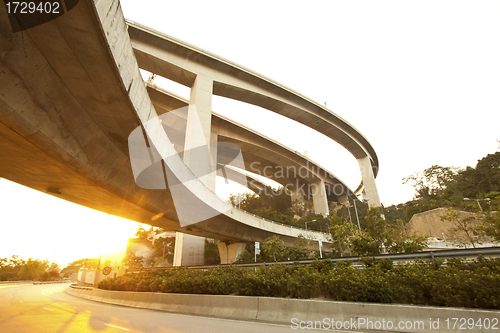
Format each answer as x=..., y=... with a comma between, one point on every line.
x=189, y=250
x=229, y=252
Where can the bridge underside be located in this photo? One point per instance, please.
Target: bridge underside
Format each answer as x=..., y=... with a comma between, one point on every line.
x=67, y=107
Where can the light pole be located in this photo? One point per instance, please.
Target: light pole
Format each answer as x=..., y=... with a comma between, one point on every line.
x=477, y=200
x=309, y=222
x=357, y=216
x=349, y=210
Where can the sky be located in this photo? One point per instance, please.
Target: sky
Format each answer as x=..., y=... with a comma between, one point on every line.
x=419, y=79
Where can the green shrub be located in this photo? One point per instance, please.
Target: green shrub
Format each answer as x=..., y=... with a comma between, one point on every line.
x=456, y=284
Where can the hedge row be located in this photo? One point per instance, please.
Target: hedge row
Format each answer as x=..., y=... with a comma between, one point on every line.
x=456, y=284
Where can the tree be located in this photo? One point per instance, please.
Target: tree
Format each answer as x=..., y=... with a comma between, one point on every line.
x=447, y=186
x=316, y=222
x=302, y=243
x=465, y=228
x=131, y=261
x=379, y=235
x=430, y=186
x=432, y=181
x=245, y=257
x=9, y=268
x=300, y=251
x=273, y=246
x=90, y=263
x=376, y=225
x=491, y=225
x=54, y=271
x=163, y=249
x=212, y=256
x=363, y=244
x=33, y=269
x=395, y=213
x=488, y=174
x=292, y=253
x=142, y=233
x=341, y=232
x=275, y=206
x=362, y=209
x=402, y=241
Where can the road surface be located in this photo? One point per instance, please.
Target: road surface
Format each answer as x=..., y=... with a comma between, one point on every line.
x=26, y=308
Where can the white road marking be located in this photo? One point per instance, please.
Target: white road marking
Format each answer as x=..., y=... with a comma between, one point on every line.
x=9, y=286
x=125, y=329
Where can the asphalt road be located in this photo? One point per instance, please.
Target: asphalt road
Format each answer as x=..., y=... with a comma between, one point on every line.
x=49, y=309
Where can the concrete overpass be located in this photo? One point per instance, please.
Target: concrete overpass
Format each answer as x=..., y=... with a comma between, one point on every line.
x=202, y=71
x=71, y=94
x=262, y=155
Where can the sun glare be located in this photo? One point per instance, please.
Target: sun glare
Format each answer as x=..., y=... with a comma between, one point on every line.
x=41, y=226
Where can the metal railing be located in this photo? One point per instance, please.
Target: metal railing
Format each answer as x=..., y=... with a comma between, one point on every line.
x=274, y=222
x=493, y=252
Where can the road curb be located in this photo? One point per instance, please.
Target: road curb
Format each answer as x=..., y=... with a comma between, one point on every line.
x=300, y=314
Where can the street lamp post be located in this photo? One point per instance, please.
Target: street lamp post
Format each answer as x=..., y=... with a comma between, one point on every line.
x=357, y=216
x=477, y=200
x=309, y=222
x=349, y=210
x=320, y=243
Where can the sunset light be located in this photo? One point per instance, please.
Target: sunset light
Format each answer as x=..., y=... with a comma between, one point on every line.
x=40, y=226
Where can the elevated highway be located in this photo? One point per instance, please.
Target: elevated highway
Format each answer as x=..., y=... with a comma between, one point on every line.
x=262, y=155
x=208, y=74
x=71, y=94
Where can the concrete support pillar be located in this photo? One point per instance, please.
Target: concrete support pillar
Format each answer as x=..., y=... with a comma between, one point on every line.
x=201, y=96
x=189, y=250
x=230, y=252
x=370, y=188
x=197, y=154
x=320, y=200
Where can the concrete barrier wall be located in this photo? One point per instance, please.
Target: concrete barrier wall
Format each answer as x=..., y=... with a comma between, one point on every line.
x=15, y=282
x=303, y=314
